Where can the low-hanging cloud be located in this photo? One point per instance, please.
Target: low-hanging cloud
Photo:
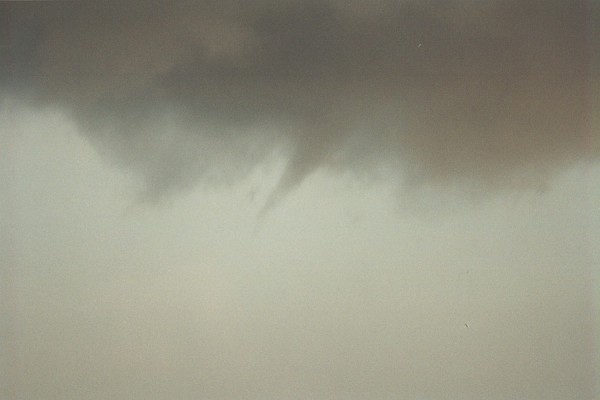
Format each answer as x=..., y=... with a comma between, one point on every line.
x=494, y=92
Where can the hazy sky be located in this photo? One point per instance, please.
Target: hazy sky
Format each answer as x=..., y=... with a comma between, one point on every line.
x=299, y=200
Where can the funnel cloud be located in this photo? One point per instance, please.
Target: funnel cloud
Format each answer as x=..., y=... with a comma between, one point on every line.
x=429, y=169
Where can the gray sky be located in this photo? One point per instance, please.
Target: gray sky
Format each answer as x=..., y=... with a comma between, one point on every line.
x=294, y=200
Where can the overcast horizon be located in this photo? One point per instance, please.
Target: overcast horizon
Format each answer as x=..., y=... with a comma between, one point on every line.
x=299, y=200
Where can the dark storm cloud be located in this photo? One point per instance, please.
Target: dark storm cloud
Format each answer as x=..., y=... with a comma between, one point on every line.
x=497, y=92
